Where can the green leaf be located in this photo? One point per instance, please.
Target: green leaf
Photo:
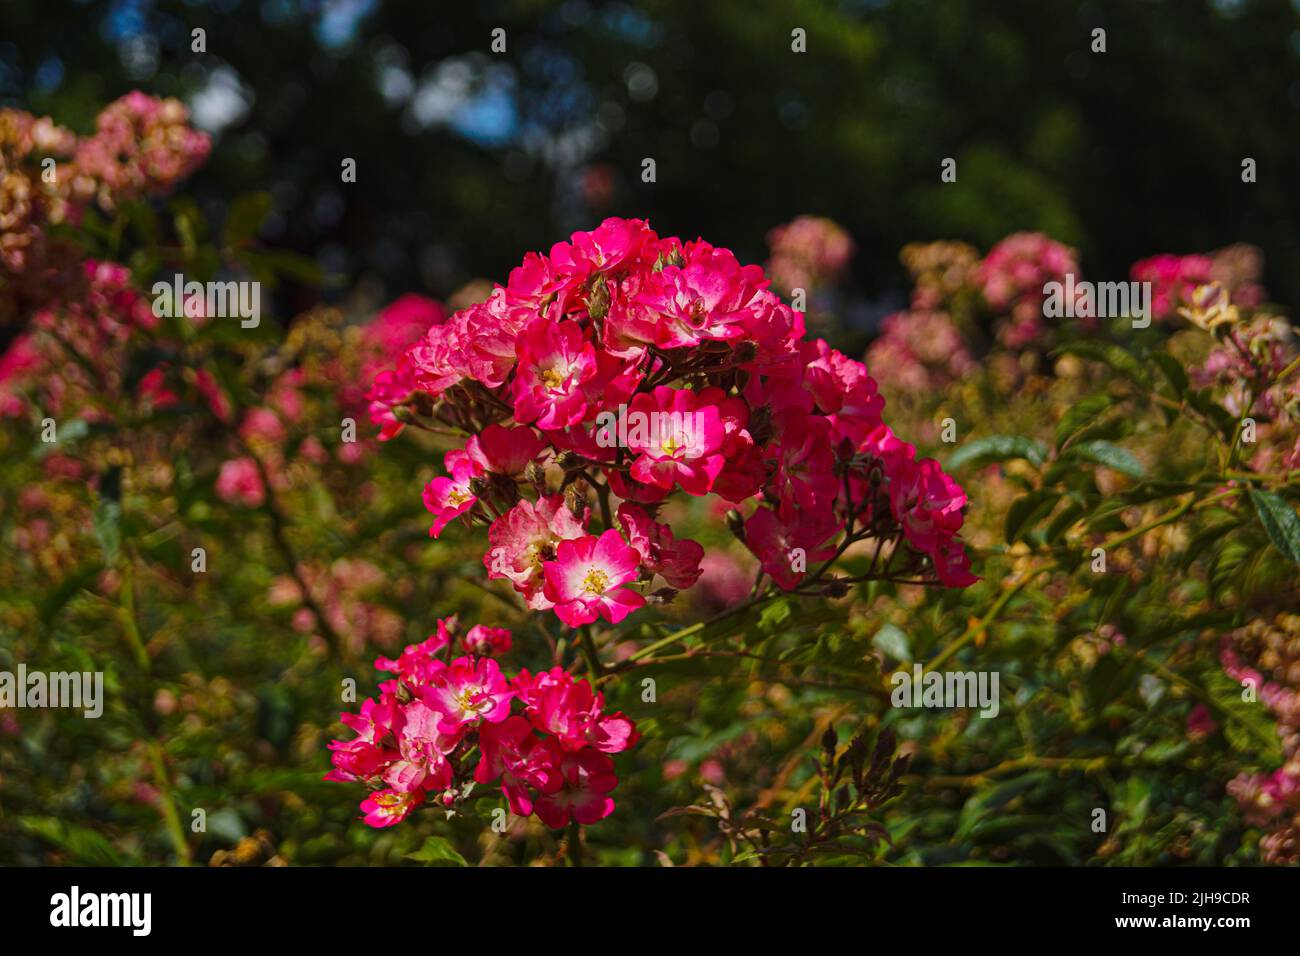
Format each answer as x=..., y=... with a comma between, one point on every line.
x=1028, y=509
x=437, y=852
x=773, y=617
x=1173, y=370
x=1280, y=521
x=245, y=218
x=84, y=846
x=1165, y=751
x=994, y=448
x=58, y=597
x=1204, y=402
x=891, y=639
x=1118, y=358
x=1111, y=455
x=1063, y=521
x=983, y=802
x=144, y=221
x=1080, y=414
x=1248, y=726
x=67, y=433
x=287, y=263
x=188, y=220
x=1206, y=538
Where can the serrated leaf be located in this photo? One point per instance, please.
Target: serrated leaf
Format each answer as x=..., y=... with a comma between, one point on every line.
x=1280, y=521
x=995, y=448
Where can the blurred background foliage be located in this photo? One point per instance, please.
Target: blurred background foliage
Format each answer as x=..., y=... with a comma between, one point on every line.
x=465, y=157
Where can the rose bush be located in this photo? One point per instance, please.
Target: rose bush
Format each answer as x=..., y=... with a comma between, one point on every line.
x=690, y=545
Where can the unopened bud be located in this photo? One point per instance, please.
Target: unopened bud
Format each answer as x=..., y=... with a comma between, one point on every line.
x=672, y=258
x=830, y=740
x=575, y=496
x=836, y=588
x=598, y=299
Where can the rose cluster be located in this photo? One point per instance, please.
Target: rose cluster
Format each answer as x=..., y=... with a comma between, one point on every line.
x=1251, y=369
x=1012, y=277
x=919, y=352
x=73, y=359
x=1265, y=655
x=73, y=356
x=808, y=252
x=1174, y=278
x=317, y=355
x=142, y=145
x=631, y=367
x=443, y=727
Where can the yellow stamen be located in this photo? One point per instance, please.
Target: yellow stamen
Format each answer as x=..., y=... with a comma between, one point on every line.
x=596, y=582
